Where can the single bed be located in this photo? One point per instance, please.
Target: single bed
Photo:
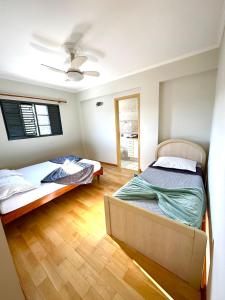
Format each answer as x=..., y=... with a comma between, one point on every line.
x=20, y=204
x=168, y=179
x=142, y=225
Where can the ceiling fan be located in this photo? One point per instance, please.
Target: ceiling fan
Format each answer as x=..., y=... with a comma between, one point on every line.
x=76, y=61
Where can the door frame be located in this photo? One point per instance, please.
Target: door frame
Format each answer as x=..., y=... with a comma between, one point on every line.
x=116, y=106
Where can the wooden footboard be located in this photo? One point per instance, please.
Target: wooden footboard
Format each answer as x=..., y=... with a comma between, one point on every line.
x=177, y=247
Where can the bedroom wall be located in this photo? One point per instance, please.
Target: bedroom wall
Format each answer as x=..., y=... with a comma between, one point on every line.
x=100, y=127
x=18, y=153
x=9, y=282
x=216, y=186
x=147, y=83
x=189, y=101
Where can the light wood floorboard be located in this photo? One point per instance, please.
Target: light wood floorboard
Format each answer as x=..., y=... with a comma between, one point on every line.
x=61, y=251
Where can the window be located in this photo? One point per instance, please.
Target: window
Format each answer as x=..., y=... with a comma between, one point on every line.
x=28, y=120
x=43, y=119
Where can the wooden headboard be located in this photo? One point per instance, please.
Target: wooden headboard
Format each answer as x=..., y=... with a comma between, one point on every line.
x=182, y=148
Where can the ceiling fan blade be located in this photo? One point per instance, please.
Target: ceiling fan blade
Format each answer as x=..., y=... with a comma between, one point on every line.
x=91, y=73
x=47, y=50
x=92, y=58
x=46, y=42
x=53, y=69
x=78, y=61
x=41, y=48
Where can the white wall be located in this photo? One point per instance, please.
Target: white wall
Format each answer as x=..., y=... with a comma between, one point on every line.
x=148, y=84
x=99, y=129
x=186, y=106
x=14, y=154
x=10, y=288
x=216, y=185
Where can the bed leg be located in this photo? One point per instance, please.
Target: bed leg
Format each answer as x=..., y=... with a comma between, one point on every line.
x=98, y=178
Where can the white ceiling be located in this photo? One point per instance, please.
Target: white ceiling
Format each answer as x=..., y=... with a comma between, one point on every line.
x=125, y=36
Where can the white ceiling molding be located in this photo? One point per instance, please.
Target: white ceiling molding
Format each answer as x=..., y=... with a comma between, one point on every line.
x=72, y=90
x=34, y=82
x=120, y=39
x=222, y=26
x=166, y=62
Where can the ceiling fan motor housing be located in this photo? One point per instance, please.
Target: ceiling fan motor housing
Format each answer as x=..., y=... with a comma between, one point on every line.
x=75, y=75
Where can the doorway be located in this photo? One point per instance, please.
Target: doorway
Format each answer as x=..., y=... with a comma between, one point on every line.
x=127, y=116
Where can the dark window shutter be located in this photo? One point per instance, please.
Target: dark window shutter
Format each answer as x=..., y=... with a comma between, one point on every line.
x=13, y=120
x=55, y=120
x=21, y=120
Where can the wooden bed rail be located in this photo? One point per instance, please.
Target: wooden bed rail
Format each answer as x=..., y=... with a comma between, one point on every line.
x=11, y=216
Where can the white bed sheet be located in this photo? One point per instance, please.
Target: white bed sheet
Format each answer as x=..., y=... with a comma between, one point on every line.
x=35, y=174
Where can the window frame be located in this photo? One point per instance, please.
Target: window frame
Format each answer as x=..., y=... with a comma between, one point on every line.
x=38, y=121
x=10, y=138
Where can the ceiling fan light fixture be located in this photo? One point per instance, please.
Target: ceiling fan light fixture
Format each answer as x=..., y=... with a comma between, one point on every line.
x=75, y=75
x=76, y=61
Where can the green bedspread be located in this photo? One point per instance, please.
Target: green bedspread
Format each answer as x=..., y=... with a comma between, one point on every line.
x=186, y=205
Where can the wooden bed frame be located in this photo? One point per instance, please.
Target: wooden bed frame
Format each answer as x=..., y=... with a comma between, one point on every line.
x=177, y=247
x=11, y=216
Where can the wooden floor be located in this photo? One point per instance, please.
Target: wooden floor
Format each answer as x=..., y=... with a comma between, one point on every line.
x=61, y=251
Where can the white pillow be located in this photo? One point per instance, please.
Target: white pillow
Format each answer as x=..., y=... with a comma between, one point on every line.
x=7, y=173
x=11, y=185
x=176, y=163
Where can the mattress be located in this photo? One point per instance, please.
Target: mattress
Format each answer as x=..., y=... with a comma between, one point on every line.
x=35, y=174
x=166, y=179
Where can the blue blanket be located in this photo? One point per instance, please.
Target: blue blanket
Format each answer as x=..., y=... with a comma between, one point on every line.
x=186, y=205
x=62, y=159
x=62, y=176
